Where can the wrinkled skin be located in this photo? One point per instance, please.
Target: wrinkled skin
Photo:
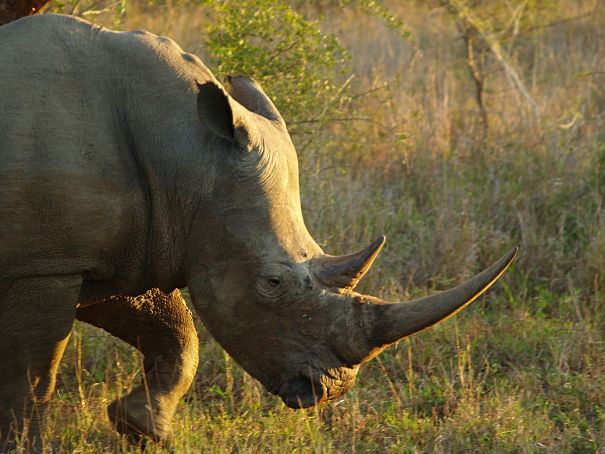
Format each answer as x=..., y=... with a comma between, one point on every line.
x=127, y=171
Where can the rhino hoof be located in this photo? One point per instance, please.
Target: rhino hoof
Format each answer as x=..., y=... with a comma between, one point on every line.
x=137, y=422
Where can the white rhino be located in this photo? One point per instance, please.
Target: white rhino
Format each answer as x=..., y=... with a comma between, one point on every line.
x=127, y=171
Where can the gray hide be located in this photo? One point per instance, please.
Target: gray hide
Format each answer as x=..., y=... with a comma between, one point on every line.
x=127, y=171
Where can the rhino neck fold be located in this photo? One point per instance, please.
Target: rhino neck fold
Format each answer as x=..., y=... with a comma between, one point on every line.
x=166, y=182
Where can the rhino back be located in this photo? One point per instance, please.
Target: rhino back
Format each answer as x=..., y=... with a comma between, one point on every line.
x=78, y=105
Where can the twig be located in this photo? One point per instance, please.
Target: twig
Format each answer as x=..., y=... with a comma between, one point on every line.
x=555, y=23
x=496, y=49
x=329, y=120
x=392, y=81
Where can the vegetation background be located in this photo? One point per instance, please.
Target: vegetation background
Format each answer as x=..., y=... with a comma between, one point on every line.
x=457, y=127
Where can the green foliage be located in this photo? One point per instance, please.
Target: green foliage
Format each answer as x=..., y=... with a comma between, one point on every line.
x=299, y=65
x=371, y=8
x=374, y=9
x=91, y=9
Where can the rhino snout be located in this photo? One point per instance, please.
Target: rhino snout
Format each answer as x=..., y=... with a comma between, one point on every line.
x=302, y=392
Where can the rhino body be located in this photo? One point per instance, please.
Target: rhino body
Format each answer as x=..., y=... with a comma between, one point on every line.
x=128, y=171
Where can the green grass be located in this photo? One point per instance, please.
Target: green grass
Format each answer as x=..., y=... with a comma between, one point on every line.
x=501, y=379
x=520, y=371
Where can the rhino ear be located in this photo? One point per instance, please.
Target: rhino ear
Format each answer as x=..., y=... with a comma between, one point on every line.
x=249, y=93
x=222, y=115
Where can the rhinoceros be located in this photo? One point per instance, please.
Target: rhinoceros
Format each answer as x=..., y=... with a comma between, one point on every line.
x=128, y=171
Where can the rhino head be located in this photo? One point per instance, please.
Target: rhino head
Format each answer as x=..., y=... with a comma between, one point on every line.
x=286, y=311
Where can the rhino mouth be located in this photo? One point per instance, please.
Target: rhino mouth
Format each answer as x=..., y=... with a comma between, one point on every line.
x=302, y=392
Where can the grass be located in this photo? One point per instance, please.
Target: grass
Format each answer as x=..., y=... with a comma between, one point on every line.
x=520, y=371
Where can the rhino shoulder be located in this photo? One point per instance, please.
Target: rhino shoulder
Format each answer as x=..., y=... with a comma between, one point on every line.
x=46, y=25
x=63, y=36
x=163, y=50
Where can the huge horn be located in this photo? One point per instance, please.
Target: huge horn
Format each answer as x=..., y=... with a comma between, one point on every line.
x=345, y=271
x=392, y=322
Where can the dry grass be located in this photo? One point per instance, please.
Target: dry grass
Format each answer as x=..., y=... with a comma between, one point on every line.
x=523, y=369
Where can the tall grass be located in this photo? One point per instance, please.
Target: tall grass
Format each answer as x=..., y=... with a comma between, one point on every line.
x=523, y=369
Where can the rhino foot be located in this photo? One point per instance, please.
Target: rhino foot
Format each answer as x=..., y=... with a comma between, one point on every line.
x=135, y=417
x=161, y=327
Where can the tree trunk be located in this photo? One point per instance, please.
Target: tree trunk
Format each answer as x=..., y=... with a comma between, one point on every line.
x=11, y=10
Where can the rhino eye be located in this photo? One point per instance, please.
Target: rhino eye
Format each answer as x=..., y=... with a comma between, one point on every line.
x=274, y=282
x=270, y=288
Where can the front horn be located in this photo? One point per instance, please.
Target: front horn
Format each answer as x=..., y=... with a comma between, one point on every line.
x=391, y=322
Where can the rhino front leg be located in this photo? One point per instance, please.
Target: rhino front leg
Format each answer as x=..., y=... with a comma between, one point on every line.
x=36, y=316
x=161, y=327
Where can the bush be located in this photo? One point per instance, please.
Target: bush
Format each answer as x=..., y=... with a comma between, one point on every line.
x=300, y=66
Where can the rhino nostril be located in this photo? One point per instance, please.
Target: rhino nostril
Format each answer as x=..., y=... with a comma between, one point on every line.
x=301, y=393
